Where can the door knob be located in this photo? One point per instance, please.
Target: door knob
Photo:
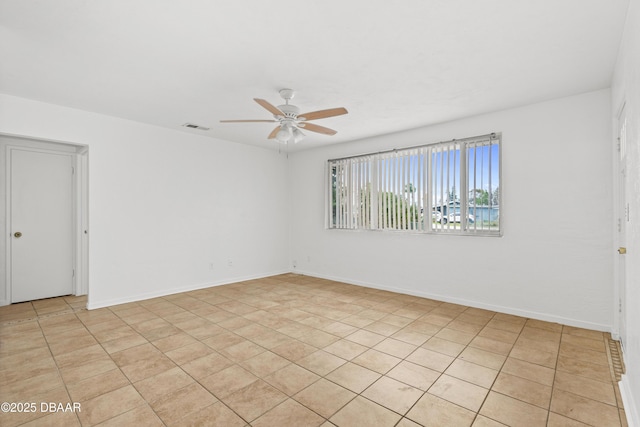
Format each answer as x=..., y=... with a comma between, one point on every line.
x=622, y=251
x=17, y=234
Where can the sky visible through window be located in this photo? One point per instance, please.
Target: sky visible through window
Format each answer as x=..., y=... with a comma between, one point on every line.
x=483, y=173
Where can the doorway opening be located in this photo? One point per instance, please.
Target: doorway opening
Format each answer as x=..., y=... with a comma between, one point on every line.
x=45, y=250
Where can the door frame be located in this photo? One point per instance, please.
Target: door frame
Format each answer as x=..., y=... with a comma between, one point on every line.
x=619, y=276
x=80, y=193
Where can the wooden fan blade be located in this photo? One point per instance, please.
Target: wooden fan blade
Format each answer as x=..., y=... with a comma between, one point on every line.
x=273, y=133
x=320, y=129
x=321, y=114
x=266, y=105
x=248, y=121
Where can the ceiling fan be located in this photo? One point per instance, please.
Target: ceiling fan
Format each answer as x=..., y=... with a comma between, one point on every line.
x=290, y=120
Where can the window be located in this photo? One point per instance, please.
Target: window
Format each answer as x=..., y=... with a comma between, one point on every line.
x=448, y=187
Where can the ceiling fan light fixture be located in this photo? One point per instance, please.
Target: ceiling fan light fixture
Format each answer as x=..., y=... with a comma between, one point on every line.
x=297, y=135
x=284, y=134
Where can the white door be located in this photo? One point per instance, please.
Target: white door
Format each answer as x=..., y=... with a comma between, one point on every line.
x=41, y=224
x=623, y=218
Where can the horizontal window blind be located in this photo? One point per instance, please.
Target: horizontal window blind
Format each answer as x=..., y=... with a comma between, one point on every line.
x=448, y=187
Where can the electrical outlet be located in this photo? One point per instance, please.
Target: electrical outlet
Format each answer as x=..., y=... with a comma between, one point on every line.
x=230, y=263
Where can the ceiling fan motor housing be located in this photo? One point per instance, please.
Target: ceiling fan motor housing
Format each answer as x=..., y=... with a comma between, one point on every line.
x=290, y=111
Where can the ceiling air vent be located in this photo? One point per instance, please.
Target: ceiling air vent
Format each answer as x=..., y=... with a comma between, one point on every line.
x=192, y=126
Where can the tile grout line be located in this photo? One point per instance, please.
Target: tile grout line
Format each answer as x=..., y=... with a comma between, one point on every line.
x=498, y=374
x=53, y=358
x=130, y=383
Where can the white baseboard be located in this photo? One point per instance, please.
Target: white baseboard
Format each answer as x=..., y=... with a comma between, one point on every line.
x=454, y=300
x=91, y=305
x=502, y=309
x=631, y=402
x=4, y=302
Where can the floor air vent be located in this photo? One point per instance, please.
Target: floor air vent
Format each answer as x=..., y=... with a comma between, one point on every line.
x=617, y=364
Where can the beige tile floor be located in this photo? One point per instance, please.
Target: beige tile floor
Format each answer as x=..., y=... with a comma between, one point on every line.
x=292, y=350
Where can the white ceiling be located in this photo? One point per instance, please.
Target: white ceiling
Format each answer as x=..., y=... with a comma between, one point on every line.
x=393, y=65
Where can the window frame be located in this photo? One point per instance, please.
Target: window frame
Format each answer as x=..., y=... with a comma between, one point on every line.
x=369, y=169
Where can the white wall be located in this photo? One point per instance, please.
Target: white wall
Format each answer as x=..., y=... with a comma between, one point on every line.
x=168, y=210
x=626, y=91
x=554, y=261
